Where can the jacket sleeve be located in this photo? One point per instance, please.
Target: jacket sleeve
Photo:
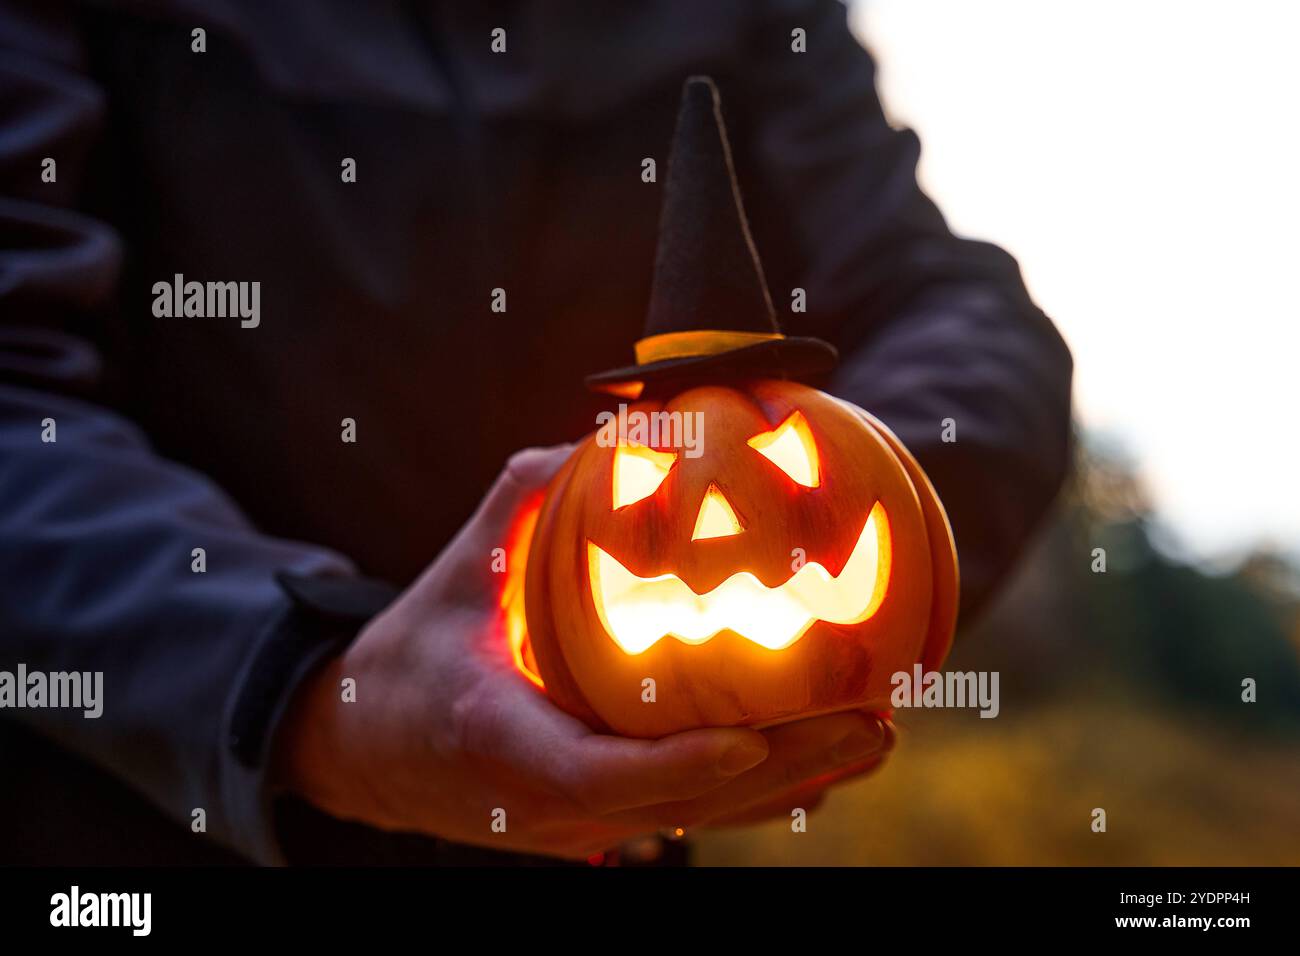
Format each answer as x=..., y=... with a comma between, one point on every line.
x=937, y=334
x=97, y=532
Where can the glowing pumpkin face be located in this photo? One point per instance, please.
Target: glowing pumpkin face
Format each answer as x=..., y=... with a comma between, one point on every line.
x=789, y=569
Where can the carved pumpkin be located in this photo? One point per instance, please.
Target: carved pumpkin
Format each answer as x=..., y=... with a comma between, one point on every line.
x=790, y=569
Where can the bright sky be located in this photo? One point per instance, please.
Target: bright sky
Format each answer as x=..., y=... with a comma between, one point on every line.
x=1142, y=161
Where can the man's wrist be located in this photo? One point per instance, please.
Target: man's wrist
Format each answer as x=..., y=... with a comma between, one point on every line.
x=294, y=756
x=325, y=615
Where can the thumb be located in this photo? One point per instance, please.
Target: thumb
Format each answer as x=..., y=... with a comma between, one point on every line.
x=522, y=480
x=525, y=474
x=464, y=572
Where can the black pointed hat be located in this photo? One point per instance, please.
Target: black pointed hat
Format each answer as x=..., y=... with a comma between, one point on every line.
x=710, y=314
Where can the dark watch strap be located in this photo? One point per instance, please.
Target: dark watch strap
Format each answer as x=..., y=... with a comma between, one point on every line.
x=324, y=615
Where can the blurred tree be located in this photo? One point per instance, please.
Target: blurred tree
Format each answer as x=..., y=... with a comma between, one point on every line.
x=1152, y=623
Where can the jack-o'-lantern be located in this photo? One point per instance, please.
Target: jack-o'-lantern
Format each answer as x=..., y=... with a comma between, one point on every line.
x=785, y=563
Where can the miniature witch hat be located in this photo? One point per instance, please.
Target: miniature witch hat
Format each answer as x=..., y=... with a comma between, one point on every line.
x=710, y=315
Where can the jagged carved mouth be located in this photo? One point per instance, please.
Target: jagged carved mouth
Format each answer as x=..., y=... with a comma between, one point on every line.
x=638, y=612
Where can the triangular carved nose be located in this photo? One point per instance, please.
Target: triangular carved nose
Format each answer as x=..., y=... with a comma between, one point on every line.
x=717, y=519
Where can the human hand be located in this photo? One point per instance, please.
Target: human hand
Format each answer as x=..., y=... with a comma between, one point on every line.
x=810, y=794
x=444, y=734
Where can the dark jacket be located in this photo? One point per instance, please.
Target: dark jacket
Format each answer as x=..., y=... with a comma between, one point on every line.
x=475, y=171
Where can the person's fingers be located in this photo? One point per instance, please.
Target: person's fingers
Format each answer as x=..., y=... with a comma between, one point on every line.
x=524, y=732
x=610, y=774
x=807, y=797
x=799, y=752
x=536, y=466
x=811, y=792
x=802, y=752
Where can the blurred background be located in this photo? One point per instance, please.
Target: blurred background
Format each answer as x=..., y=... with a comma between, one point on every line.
x=1140, y=160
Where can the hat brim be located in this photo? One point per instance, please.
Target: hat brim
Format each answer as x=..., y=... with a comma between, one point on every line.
x=796, y=357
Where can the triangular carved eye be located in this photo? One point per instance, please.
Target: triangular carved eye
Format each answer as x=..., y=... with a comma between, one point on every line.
x=791, y=448
x=638, y=473
x=717, y=519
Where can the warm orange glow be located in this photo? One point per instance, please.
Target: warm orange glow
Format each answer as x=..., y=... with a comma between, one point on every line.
x=512, y=593
x=637, y=612
x=791, y=448
x=716, y=518
x=629, y=390
x=638, y=473
x=675, y=345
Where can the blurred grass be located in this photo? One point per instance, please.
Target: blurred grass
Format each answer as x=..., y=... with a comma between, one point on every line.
x=1019, y=790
